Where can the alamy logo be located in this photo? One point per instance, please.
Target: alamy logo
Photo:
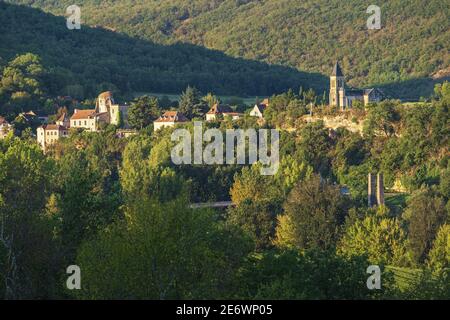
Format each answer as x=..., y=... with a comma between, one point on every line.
x=235, y=147
x=374, y=281
x=74, y=17
x=74, y=280
x=374, y=21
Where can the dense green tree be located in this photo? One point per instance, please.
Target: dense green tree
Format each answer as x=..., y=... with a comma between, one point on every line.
x=210, y=99
x=351, y=163
x=382, y=239
x=249, y=184
x=316, y=211
x=381, y=118
x=425, y=214
x=257, y=219
x=22, y=84
x=191, y=104
x=319, y=274
x=28, y=254
x=143, y=111
x=162, y=251
x=439, y=256
x=88, y=191
x=290, y=172
x=315, y=147
x=142, y=176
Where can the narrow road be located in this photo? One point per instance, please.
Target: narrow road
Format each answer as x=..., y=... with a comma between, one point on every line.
x=220, y=204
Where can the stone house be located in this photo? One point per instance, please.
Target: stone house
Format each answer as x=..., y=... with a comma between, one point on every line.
x=169, y=119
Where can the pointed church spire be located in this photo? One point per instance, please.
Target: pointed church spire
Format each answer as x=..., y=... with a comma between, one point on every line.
x=337, y=72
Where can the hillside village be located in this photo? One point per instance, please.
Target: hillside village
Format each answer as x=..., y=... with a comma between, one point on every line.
x=102, y=198
x=108, y=112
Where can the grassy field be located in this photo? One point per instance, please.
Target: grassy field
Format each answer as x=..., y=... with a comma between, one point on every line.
x=404, y=277
x=396, y=202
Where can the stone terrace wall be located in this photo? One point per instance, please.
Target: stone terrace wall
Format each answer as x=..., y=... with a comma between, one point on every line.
x=334, y=122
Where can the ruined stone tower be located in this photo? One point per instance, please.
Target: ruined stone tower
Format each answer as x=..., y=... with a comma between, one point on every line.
x=380, y=189
x=375, y=194
x=371, y=194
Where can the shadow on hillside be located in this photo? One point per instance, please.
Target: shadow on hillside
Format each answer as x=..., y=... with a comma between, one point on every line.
x=413, y=89
x=95, y=58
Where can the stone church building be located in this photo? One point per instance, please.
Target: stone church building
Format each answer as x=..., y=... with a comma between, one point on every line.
x=342, y=98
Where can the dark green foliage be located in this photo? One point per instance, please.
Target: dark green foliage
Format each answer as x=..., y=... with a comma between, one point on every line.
x=313, y=274
x=381, y=118
x=191, y=105
x=315, y=146
x=257, y=219
x=307, y=35
x=22, y=87
x=85, y=62
x=316, y=210
x=28, y=256
x=143, y=111
x=88, y=192
x=425, y=214
x=162, y=252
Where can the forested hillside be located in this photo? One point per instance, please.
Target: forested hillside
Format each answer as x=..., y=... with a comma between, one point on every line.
x=403, y=57
x=119, y=208
x=83, y=62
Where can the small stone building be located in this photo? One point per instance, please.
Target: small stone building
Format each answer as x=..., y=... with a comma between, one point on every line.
x=221, y=110
x=5, y=127
x=48, y=134
x=169, y=119
x=258, y=109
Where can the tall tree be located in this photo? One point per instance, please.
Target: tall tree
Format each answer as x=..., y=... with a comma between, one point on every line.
x=381, y=119
x=315, y=146
x=425, y=214
x=162, y=251
x=382, y=239
x=316, y=211
x=439, y=256
x=190, y=103
x=210, y=99
x=29, y=254
x=143, y=111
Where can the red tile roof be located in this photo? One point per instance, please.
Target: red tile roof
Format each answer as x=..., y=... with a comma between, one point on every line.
x=172, y=116
x=63, y=117
x=53, y=127
x=83, y=114
x=218, y=108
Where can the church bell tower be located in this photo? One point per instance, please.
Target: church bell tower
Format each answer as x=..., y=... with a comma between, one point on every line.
x=337, y=89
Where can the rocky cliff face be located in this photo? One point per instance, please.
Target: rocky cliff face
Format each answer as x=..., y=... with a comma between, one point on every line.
x=334, y=122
